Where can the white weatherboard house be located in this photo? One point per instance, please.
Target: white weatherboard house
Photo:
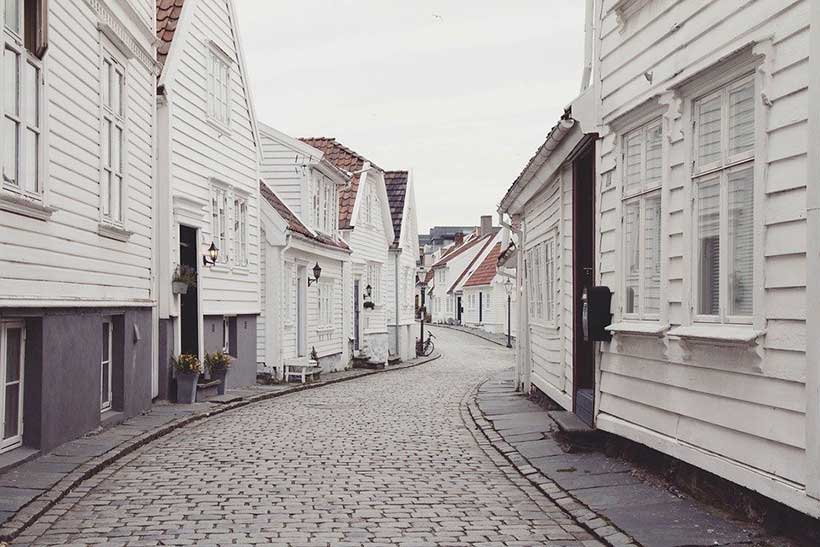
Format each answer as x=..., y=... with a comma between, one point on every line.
x=485, y=292
x=300, y=193
x=367, y=229
x=401, y=276
x=76, y=217
x=208, y=178
x=698, y=159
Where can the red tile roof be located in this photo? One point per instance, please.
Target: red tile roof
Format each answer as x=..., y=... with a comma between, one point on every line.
x=486, y=271
x=396, y=183
x=487, y=240
x=294, y=224
x=347, y=160
x=168, y=12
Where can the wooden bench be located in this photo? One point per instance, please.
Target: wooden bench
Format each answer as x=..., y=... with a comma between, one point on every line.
x=304, y=371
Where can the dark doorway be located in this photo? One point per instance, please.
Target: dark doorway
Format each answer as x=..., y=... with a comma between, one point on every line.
x=356, y=316
x=189, y=303
x=481, y=307
x=583, y=274
x=458, y=309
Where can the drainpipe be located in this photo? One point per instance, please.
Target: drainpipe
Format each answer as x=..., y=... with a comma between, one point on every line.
x=396, y=254
x=589, y=32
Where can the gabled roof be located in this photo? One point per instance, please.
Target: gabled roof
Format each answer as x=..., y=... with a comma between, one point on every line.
x=485, y=242
x=347, y=160
x=168, y=13
x=396, y=183
x=457, y=251
x=294, y=224
x=487, y=270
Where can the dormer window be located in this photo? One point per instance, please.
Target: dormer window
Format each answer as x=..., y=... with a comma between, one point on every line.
x=323, y=203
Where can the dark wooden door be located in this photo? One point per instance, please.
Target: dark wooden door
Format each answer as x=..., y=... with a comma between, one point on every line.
x=356, y=316
x=189, y=313
x=583, y=274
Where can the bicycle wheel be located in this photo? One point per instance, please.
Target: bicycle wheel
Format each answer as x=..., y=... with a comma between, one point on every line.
x=429, y=349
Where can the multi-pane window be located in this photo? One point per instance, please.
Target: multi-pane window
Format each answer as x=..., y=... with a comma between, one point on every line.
x=323, y=204
x=113, y=138
x=535, y=276
x=219, y=222
x=326, y=303
x=25, y=42
x=551, y=287
x=105, y=365
x=374, y=281
x=12, y=360
x=219, y=88
x=240, y=231
x=642, y=176
x=723, y=179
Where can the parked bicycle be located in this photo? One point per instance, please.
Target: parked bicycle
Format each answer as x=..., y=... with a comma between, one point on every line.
x=425, y=348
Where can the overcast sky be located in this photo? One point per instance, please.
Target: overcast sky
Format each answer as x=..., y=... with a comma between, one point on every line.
x=461, y=92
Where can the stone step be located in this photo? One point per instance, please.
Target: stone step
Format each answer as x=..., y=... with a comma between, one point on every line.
x=569, y=423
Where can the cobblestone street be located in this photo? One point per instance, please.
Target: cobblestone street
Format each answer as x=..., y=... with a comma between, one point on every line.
x=384, y=460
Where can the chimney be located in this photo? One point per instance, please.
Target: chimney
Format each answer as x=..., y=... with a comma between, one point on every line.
x=459, y=239
x=486, y=225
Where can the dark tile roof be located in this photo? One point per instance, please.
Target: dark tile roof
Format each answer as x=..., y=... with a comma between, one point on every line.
x=347, y=160
x=168, y=12
x=294, y=224
x=454, y=251
x=396, y=183
x=485, y=273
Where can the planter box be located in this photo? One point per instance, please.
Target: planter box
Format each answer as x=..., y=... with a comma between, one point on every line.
x=221, y=376
x=178, y=287
x=186, y=387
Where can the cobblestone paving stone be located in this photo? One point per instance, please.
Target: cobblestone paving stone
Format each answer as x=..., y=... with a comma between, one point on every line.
x=385, y=460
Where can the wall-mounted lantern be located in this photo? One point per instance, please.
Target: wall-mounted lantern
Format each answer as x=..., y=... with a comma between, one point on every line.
x=368, y=300
x=210, y=255
x=317, y=273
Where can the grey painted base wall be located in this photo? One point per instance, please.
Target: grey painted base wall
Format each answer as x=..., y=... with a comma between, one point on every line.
x=243, y=369
x=62, y=381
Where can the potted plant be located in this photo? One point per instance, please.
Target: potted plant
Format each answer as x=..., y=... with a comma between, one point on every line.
x=187, y=368
x=218, y=364
x=184, y=277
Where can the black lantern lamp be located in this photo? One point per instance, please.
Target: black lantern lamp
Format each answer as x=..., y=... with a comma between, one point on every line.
x=210, y=255
x=317, y=273
x=368, y=300
x=368, y=291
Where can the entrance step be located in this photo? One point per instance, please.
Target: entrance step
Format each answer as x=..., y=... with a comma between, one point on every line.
x=569, y=423
x=367, y=364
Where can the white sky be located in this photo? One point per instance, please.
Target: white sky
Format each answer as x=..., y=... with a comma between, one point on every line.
x=462, y=92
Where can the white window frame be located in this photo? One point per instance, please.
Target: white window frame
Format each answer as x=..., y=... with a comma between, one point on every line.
x=17, y=440
x=226, y=334
x=535, y=282
x=107, y=392
x=647, y=191
x=240, y=230
x=110, y=57
x=326, y=303
x=219, y=87
x=14, y=43
x=374, y=280
x=720, y=170
x=550, y=278
x=220, y=213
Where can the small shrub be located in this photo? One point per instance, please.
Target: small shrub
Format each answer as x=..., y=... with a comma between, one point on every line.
x=186, y=363
x=217, y=361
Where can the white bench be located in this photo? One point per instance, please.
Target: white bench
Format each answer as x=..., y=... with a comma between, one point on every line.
x=303, y=371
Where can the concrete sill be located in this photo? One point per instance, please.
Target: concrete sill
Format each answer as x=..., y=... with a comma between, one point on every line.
x=638, y=328
x=720, y=335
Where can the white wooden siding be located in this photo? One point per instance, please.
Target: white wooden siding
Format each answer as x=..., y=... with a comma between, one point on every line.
x=744, y=405
x=48, y=262
x=283, y=169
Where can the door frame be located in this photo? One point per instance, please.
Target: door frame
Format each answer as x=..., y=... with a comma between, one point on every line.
x=357, y=313
x=301, y=311
x=200, y=320
x=584, y=152
x=17, y=440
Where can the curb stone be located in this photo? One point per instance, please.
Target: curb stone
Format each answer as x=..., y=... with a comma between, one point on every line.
x=29, y=514
x=473, y=332
x=591, y=521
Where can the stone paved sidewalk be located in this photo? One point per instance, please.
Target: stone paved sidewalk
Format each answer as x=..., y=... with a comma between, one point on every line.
x=30, y=489
x=605, y=494
x=500, y=339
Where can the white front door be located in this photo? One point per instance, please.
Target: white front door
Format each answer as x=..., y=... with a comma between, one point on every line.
x=105, y=365
x=301, y=312
x=12, y=357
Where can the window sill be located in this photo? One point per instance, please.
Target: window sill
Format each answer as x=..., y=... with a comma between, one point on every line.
x=325, y=330
x=222, y=128
x=721, y=335
x=25, y=206
x=638, y=328
x=113, y=232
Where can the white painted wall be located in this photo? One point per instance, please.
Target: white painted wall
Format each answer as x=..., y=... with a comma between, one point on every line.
x=48, y=262
x=740, y=413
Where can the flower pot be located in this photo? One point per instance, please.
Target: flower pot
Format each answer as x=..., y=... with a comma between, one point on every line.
x=179, y=287
x=186, y=387
x=220, y=375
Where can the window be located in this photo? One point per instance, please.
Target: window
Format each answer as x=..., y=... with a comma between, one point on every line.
x=12, y=359
x=219, y=222
x=641, y=221
x=368, y=207
x=551, y=295
x=240, y=231
x=723, y=185
x=219, y=87
x=323, y=204
x=25, y=38
x=105, y=365
x=326, y=304
x=486, y=302
x=229, y=340
x=374, y=281
x=113, y=138
x=535, y=264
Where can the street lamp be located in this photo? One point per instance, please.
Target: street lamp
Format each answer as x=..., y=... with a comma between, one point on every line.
x=508, y=286
x=317, y=273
